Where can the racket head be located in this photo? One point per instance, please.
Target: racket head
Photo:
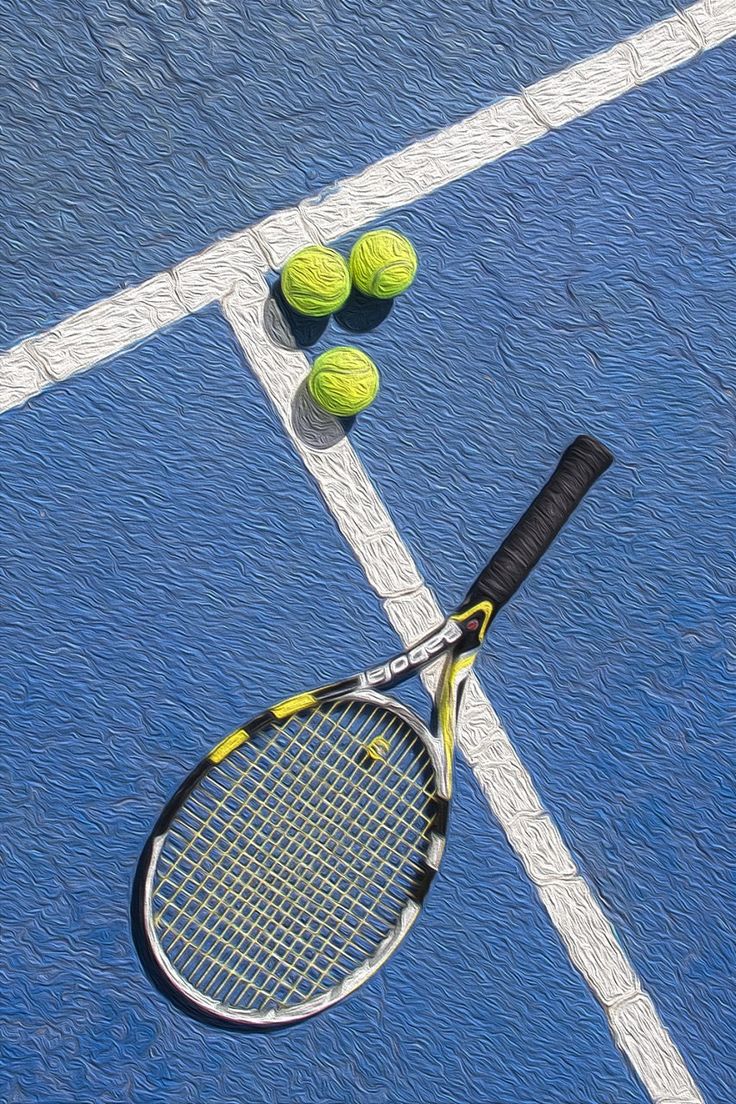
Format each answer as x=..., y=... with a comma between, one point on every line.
x=254, y=916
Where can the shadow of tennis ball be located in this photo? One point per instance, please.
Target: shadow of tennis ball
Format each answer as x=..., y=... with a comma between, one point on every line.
x=312, y=425
x=362, y=313
x=287, y=327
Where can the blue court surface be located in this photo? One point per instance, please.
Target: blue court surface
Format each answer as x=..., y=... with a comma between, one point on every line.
x=169, y=567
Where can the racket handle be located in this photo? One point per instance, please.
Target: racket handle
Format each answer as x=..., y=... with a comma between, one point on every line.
x=581, y=464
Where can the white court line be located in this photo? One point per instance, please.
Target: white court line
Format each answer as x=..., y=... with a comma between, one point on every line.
x=132, y=315
x=243, y=259
x=506, y=784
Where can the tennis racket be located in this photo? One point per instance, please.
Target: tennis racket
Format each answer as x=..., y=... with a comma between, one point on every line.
x=293, y=860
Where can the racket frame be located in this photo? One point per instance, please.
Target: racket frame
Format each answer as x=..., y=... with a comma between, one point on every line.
x=456, y=641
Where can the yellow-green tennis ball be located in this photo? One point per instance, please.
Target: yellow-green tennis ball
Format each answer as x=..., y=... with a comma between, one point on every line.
x=343, y=381
x=315, y=281
x=383, y=263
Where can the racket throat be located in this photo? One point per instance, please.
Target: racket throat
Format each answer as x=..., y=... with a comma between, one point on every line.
x=449, y=699
x=407, y=664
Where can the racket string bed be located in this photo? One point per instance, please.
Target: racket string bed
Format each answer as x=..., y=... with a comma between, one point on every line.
x=338, y=907
x=225, y=964
x=290, y=808
x=296, y=948
x=311, y=891
x=247, y=792
x=293, y=813
x=334, y=915
x=289, y=864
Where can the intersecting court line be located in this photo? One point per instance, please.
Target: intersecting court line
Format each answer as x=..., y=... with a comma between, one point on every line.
x=132, y=315
x=506, y=784
x=233, y=271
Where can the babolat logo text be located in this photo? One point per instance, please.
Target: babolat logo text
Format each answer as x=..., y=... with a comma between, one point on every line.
x=416, y=657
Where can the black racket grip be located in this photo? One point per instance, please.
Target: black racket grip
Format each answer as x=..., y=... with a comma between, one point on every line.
x=581, y=464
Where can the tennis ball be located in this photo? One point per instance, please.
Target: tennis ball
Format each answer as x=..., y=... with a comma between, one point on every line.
x=383, y=263
x=315, y=281
x=343, y=381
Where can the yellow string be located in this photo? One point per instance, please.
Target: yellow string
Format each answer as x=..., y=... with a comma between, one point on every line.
x=309, y=850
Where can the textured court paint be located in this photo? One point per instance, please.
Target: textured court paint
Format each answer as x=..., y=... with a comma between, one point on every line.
x=136, y=134
x=633, y=124
x=163, y=536
x=587, y=283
